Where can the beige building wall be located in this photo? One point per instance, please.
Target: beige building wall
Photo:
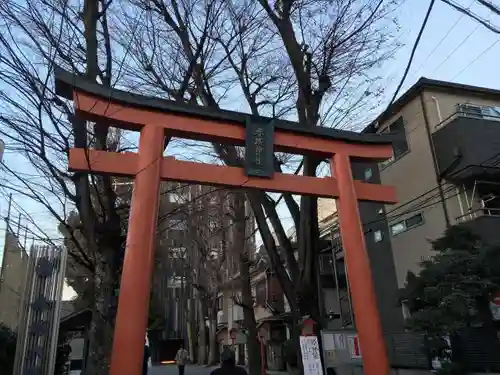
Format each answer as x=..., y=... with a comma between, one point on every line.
x=326, y=207
x=13, y=274
x=441, y=109
x=413, y=175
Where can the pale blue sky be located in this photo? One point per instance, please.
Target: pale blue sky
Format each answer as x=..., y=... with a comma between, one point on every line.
x=469, y=54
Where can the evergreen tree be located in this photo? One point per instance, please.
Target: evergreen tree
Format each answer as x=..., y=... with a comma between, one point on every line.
x=454, y=287
x=7, y=349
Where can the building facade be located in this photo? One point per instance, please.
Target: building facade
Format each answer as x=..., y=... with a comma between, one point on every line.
x=12, y=279
x=445, y=167
x=196, y=232
x=446, y=170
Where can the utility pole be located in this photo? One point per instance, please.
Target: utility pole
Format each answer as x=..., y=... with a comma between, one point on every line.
x=7, y=223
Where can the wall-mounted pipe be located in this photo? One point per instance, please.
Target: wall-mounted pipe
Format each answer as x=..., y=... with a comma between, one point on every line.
x=438, y=109
x=442, y=197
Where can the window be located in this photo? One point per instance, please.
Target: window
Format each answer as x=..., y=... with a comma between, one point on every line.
x=325, y=263
x=177, y=224
x=414, y=220
x=400, y=144
x=377, y=236
x=407, y=224
x=490, y=204
x=178, y=252
x=254, y=291
x=220, y=303
x=214, y=254
x=368, y=174
x=212, y=224
x=179, y=194
x=261, y=292
x=406, y=311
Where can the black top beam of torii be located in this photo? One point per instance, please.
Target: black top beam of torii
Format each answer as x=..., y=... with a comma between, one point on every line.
x=66, y=82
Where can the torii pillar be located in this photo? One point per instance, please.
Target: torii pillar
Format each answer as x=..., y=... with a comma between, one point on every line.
x=155, y=119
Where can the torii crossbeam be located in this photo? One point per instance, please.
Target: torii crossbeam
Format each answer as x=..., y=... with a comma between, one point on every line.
x=158, y=120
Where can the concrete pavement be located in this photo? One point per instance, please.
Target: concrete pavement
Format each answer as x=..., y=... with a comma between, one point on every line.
x=192, y=370
x=172, y=370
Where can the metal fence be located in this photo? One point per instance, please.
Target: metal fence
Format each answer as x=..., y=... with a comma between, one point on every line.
x=477, y=348
x=40, y=312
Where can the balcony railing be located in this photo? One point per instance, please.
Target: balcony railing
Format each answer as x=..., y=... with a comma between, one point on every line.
x=481, y=212
x=473, y=111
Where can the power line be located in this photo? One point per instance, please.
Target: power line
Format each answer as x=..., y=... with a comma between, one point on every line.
x=441, y=41
x=477, y=58
x=460, y=44
x=472, y=15
x=494, y=8
x=414, y=49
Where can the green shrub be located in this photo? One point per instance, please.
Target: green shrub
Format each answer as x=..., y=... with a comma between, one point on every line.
x=452, y=368
x=7, y=349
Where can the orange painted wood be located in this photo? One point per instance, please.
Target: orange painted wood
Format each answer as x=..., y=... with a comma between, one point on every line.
x=364, y=299
x=103, y=162
x=191, y=172
x=93, y=108
x=135, y=286
x=220, y=175
x=149, y=166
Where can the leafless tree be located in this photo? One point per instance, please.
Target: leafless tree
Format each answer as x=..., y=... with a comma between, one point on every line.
x=242, y=251
x=308, y=60
x=40, y=129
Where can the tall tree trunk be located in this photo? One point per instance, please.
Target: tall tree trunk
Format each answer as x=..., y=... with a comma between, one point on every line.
x=254, y=360
x=192, y=328
x=103, y=313
x=202, y=341
x=213, y=356
x=103, y=237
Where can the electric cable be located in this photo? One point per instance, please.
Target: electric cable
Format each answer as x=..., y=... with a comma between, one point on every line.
x=477, y=58
x=460, y=44
x=414, y=49
x=441, y=40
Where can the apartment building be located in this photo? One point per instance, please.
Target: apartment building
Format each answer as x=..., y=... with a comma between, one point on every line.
x=270, y=309
x=445, y=167
x=12, y=279
x=446, y=170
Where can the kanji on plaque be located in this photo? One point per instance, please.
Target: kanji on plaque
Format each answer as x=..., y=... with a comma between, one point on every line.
x=311, y=358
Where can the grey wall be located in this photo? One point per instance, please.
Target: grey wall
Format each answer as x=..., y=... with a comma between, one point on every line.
x=380, y=254
x=477, y=140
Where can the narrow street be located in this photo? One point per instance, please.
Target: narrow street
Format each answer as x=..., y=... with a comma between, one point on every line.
x=192, y=370
x=172, y=370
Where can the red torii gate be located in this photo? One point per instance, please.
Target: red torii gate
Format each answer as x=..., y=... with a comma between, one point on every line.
x=158, y=120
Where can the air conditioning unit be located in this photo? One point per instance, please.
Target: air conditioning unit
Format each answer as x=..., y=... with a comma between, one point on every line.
x=221, y=317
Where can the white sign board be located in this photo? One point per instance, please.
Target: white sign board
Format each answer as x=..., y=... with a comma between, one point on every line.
x=311, y=358
x=354, y=347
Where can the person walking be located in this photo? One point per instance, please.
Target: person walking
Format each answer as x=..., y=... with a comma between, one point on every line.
x=147, y=355
x=228, y=364
x=181, y=358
